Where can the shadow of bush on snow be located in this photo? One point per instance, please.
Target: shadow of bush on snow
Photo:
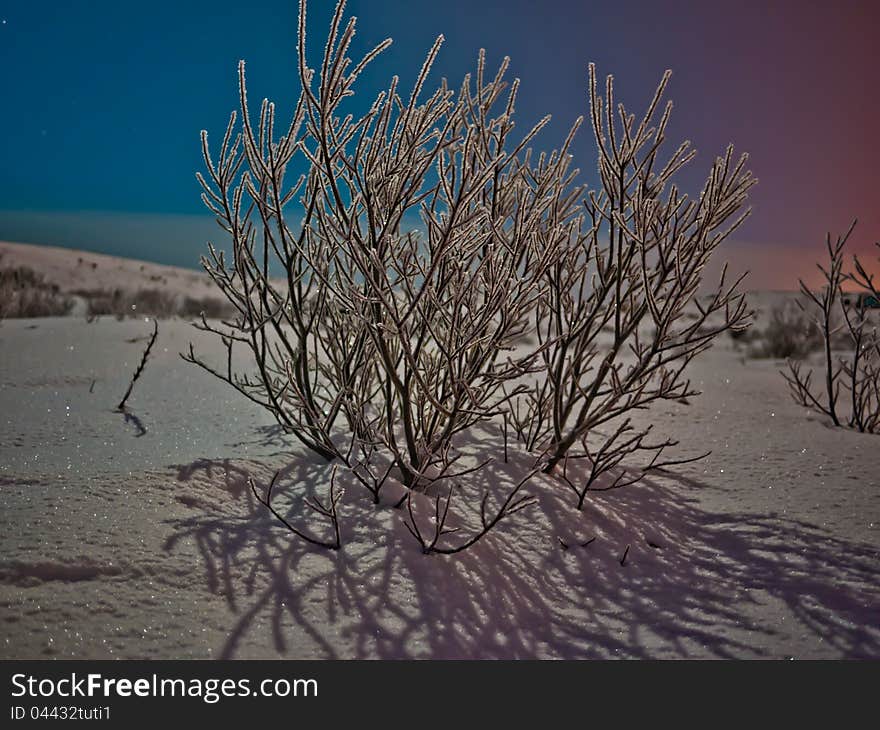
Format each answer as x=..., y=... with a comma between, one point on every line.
x=691, y=585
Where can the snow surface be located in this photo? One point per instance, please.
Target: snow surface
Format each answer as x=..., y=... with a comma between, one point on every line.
x=139, y=537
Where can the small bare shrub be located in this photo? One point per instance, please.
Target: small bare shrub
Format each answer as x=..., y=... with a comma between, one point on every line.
x=121, y=303
x=857, y=373
x=156, y=303
x=102, y=302
x=209, y=307
x=26, y=293
x=790, y=333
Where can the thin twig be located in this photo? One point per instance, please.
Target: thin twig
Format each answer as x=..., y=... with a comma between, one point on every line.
x=140, y=367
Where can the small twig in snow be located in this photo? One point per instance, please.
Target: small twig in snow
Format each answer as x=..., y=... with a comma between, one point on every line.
x=140, y=367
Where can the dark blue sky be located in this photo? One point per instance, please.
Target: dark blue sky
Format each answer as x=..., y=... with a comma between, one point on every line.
x=107, y=98
x=104, y=100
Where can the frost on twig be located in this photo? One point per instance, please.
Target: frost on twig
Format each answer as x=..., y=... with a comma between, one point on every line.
x=612, y=321
x=140, y=368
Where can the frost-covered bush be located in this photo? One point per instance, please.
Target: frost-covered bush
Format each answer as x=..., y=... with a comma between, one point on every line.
x=379, y=346
x=850, y=381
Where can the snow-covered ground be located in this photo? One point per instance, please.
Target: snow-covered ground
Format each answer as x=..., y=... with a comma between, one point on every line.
x=139, y=537
x=71, y=270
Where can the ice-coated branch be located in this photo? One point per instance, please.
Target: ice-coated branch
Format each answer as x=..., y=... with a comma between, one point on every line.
x=141, y=365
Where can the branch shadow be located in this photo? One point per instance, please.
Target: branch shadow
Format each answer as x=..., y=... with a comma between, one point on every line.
x=131, y=418
x=695, y=583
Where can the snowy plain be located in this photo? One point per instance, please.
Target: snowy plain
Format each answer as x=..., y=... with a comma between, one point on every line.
x=137, y=536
